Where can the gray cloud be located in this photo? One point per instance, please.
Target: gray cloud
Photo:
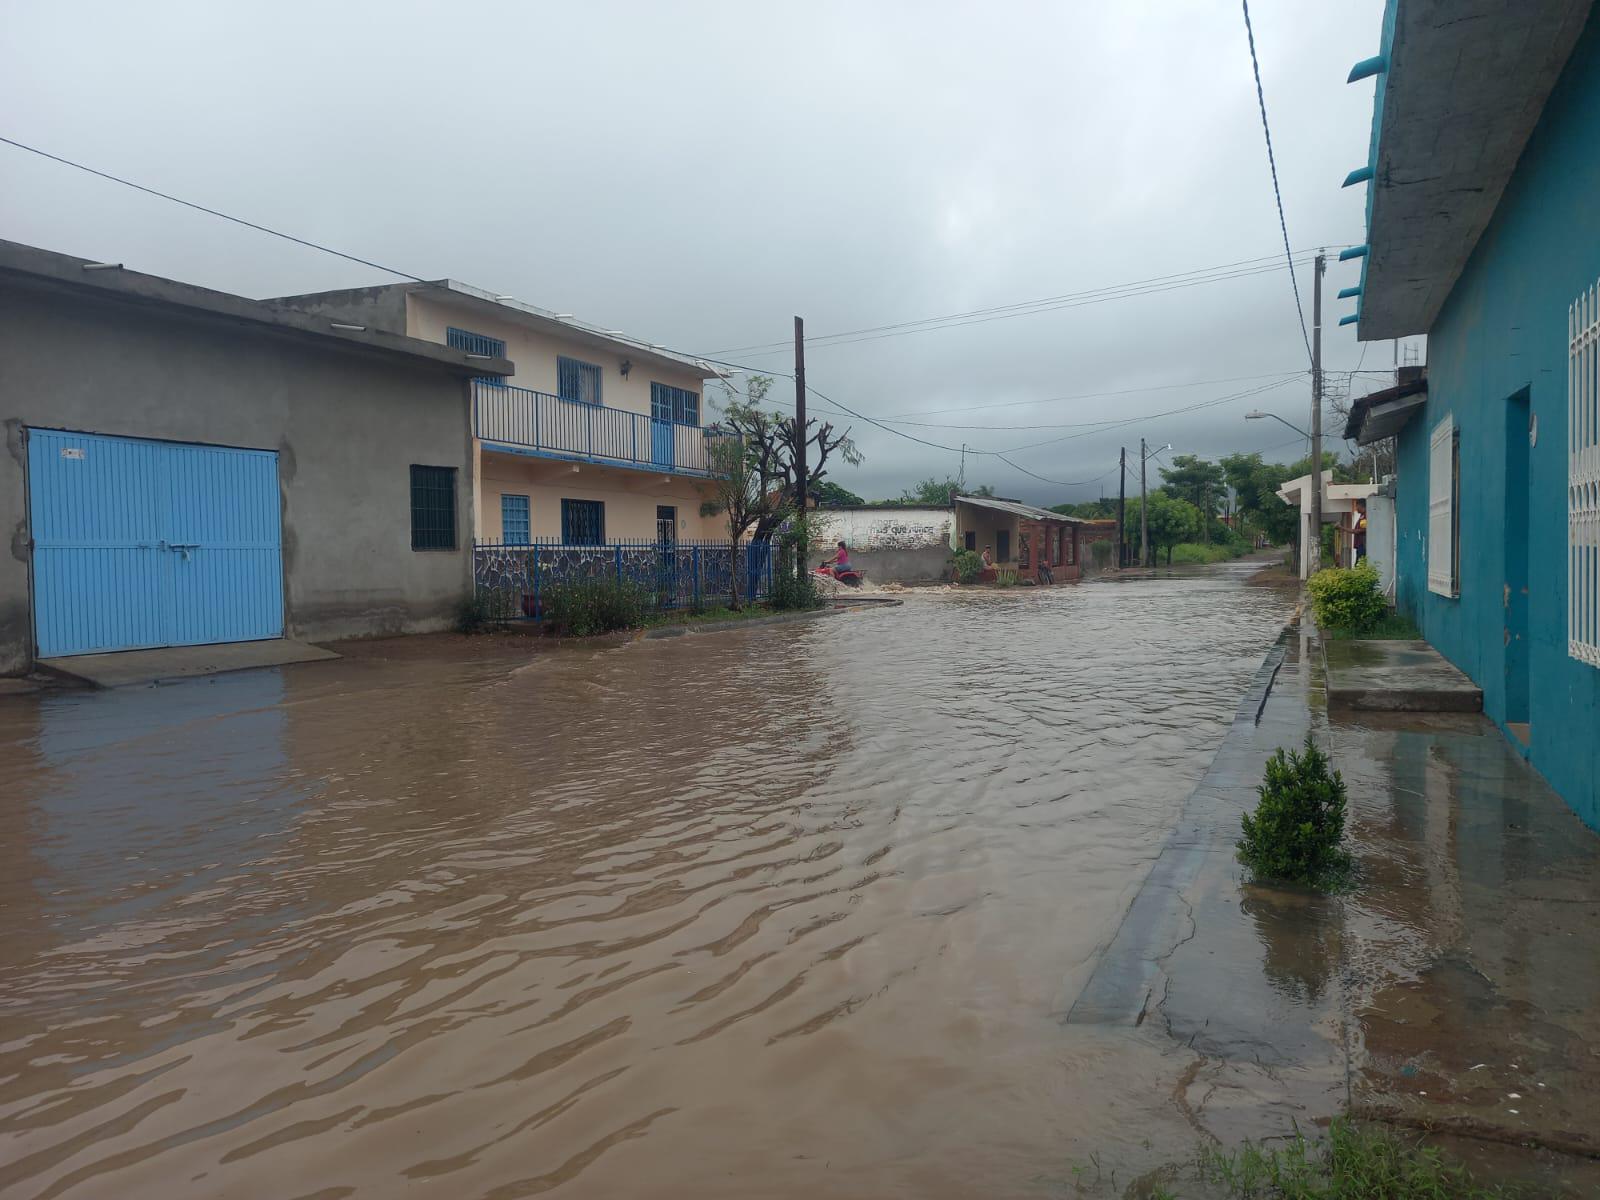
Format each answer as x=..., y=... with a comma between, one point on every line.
x=698, y=173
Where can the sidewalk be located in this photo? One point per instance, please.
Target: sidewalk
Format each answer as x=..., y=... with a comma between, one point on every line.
x=1452, y=989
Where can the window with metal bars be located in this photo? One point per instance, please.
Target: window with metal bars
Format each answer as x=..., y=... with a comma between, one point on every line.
x=577, y=381
x=679, y=405
x=1583, y=477
x=515, y=527
x=583, y=522
x=433, y=508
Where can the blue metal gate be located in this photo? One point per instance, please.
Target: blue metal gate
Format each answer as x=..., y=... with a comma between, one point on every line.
x=139, y=544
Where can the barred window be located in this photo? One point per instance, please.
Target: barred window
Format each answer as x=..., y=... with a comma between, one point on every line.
x=514, y=522
x=1583, y=477
x=433, y=508
x=583, y=522
x=577, y=381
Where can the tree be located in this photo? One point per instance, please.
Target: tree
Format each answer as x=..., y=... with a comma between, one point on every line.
x=831, y=495
x=1089, y=510
x=1171, y=521
x=937, y=492
x=1200, y=482
x=745, y=479
x=1279, y=521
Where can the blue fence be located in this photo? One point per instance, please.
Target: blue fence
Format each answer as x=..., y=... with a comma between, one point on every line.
x=515, y=577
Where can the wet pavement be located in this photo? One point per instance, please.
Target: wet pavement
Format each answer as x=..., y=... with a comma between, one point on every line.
x=784, y=911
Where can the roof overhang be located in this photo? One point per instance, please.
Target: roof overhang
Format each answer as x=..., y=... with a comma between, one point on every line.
x=1016, y=508
x=1383, y=414
x=1465, y=84
x=62, y=273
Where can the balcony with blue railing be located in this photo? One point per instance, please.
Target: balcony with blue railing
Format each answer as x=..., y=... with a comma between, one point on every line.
x=523, y=421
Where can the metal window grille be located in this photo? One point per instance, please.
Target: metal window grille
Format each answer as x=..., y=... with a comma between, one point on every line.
x=1442, y=529
x=1583, y=477
x=433, y=508
x=583, y=522
x=515, y=525
x=675, y=404
x=474, y=343
x=577, y=381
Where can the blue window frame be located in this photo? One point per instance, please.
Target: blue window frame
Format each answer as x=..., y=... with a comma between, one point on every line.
x=515, y=527
x=433, y=508
x=583, y=522
x=577, y=381
x=680, y=405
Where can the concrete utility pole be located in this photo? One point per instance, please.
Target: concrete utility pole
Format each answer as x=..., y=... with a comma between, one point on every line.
x=800, y=435
x=1144, y=513
x=1314, y=546
x=1122, y=511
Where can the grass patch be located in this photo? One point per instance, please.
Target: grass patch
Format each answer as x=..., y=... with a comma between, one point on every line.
x=708, y=615
x=1391, y=627
x=1355, y=1163
x=1192, y=553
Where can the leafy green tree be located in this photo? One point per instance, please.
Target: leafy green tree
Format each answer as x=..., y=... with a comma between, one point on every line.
x=1200, y=482
x=1171, y=521
x=1089, y=510
x=831, y=495
x=937, y=492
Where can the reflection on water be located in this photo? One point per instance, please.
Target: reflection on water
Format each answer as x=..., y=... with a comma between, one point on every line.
x=780, y=911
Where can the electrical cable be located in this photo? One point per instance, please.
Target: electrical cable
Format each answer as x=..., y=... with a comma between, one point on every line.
x=1277, y=193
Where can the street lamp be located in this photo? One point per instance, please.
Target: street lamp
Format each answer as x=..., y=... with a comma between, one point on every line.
x=1258, y=415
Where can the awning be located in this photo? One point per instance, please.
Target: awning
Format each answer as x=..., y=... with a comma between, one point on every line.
x=1383, y=414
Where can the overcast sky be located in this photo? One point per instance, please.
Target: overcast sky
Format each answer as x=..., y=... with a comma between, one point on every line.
x=696, y=174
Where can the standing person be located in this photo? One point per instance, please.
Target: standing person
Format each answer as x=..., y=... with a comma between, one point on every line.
x=1360, y=538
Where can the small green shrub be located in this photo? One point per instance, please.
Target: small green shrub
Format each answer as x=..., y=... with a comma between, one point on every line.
x=477, y=612
x=792, y=590
x=1198, y=552
x=968, y=565
x=1347, y=598
x=584, y=607
x=1296, y=831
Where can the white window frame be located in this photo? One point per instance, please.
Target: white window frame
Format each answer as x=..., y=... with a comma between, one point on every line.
x=1443, y=531
x=1583, y=477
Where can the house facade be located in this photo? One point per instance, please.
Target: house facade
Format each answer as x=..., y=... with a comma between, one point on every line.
x=1033, y=544
x=889, y=543
x=594, y=440
x=187, y=467
x=1484, y=234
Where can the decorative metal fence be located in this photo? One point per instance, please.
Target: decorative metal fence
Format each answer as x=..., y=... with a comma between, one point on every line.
x=514, y=578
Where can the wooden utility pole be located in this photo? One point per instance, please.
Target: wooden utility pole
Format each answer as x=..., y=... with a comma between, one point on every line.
x=1144, y=513
x=1314, y=548
x=800, y=432
x=1122, y=511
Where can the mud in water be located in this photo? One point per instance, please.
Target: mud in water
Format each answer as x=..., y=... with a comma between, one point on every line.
x=785, y=911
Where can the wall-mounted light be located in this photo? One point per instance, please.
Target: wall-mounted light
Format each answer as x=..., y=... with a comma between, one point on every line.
x=102, y=266
x=626, y=367
x=352, y=328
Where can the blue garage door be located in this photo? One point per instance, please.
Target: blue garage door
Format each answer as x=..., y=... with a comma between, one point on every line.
x=139, y=544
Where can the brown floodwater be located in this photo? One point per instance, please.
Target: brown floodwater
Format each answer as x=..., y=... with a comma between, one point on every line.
x=785, y=911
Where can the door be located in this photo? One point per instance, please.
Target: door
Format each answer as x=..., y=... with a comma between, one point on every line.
x=1002, y=545
x=667, y=554
x=139, y=543
x=1520, y=432
x=661, y=429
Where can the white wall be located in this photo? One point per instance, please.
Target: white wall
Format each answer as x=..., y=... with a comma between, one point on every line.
x=886, y=528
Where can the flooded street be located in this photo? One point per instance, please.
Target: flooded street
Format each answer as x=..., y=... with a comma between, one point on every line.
x=778, y=912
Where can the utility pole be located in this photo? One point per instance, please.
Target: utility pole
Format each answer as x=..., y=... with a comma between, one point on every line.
x=1122, y=511
x=800, y=434
x=1314, y=546
x=1144, y=513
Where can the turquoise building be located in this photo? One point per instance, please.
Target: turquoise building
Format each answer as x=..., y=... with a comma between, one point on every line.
x=1483, y=223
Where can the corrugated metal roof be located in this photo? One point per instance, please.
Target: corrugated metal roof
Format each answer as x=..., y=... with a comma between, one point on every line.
x=1017, y=509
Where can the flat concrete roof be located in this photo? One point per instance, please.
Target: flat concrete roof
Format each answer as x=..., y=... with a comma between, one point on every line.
x=1465, y=85
x=115, y=282
x=476, y=299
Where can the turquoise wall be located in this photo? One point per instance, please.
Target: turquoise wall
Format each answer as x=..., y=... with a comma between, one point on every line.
x=1503, y=331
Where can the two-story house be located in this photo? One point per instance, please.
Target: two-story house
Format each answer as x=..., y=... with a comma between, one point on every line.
x=596, y=439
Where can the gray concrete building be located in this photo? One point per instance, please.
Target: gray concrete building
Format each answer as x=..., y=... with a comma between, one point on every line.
x=187, y=467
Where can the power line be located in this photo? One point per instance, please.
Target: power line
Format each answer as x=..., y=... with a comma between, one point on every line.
x=1032, y=308
x=1261, y=99
x=288, y=237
